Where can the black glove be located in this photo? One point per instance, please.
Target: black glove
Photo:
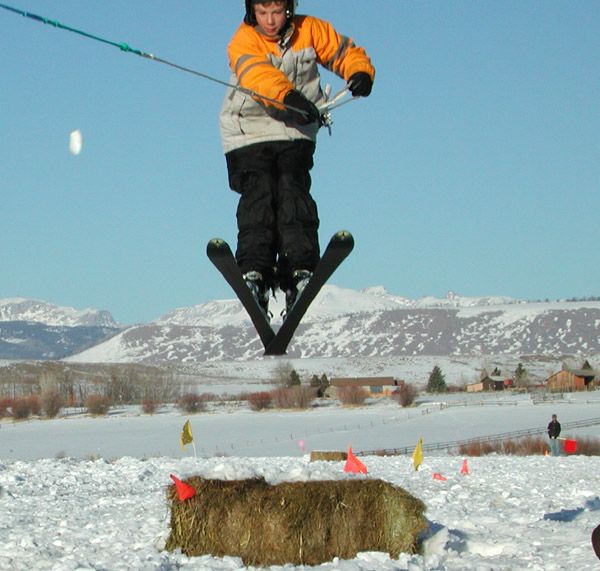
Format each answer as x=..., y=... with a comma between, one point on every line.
x=304, y=111
x=360, y=84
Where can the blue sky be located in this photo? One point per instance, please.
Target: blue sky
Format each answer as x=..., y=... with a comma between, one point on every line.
x=473, y=167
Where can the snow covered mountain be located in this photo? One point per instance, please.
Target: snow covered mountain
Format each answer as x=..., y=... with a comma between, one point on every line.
x=32, y=329
x=333, y=302
x=372, y=322
x=22, y=309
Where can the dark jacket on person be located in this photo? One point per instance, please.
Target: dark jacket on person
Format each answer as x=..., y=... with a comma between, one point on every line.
x=554, y=429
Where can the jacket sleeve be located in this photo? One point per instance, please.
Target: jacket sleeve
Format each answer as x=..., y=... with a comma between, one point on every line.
x=339, y=53
x=249, y=61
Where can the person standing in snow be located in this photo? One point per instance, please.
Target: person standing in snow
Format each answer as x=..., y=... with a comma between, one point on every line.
x=553, y=434
x=269, y=143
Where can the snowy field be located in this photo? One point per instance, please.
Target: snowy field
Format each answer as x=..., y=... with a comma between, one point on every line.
x=85, y=493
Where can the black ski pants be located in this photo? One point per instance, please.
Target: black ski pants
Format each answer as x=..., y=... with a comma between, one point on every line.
x=276, y=216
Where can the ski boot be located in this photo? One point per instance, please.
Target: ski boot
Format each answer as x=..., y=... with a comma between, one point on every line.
x=254, y=280
x=299, y=280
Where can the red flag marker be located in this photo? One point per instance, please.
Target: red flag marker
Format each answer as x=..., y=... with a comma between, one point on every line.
x=184, y=491
x=353, y=464
x=438, y=476
x=465, y=468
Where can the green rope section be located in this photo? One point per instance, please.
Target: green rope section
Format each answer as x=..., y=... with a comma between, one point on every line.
x=122, y=46
x=126, y=48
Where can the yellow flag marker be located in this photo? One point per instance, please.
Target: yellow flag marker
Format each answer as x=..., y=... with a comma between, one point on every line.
x=418, y=454
x=186, y=434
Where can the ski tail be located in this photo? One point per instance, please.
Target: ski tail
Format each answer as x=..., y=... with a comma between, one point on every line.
x=220, y=254
x=338, y=249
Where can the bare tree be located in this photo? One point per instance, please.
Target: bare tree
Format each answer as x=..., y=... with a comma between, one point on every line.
x=282, y=374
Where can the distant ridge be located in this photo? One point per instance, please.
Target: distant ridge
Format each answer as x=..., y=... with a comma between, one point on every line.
x=372, y=322
x=32, y=329
x=32, y=310
x=341, y=323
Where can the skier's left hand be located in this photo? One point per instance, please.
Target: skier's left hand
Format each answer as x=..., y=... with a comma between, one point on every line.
x=360, y=84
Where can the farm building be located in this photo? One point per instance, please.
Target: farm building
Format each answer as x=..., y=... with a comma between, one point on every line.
x=375, y=386
x=574, y=379
x=488, y=383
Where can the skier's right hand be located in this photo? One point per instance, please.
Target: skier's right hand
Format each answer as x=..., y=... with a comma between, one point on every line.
x=304, y=111
x=360, y=84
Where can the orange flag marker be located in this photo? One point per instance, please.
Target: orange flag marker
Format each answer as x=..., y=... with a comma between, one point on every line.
x=184, y=491
x=353, y=464
x=465, y=468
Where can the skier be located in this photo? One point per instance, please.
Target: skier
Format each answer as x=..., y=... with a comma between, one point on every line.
x=269, y=143
x=553, y=434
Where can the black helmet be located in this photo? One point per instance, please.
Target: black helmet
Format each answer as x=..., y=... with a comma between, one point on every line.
x=290, y=9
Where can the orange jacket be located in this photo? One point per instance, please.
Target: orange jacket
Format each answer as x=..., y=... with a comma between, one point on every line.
x=274, y=67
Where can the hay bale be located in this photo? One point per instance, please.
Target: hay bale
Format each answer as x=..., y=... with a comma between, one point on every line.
x=296, y=522
x=329, y=456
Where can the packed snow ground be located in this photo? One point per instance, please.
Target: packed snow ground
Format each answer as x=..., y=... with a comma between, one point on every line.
x=78, y=512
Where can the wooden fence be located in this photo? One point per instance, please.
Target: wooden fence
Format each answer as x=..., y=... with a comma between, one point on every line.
x=455, y=444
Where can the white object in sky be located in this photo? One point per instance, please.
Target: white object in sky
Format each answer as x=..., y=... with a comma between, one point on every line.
x=75, y=142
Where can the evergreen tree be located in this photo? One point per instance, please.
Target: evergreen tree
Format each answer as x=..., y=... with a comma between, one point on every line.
x=294, y=379
x=324, y=385
x=520, y=375
x=321, y=384
x=437, y=381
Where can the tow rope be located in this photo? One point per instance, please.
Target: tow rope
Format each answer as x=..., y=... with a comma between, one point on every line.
x=325, y=108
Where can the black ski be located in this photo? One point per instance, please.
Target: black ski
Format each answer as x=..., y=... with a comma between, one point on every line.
x=337, y=250
x=219, y=253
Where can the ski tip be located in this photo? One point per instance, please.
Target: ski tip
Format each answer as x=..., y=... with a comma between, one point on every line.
x=343, y=235
x=216, y=243
x=342, y=239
